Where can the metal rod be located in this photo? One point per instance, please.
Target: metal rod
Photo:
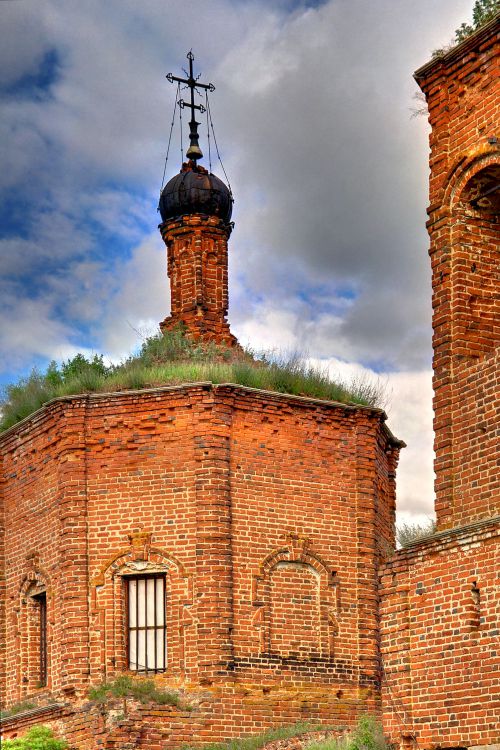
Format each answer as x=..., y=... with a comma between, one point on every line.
x=137, y=625
x=155, y=618
x=494, y=189
x=43, y=640
x=146, y=663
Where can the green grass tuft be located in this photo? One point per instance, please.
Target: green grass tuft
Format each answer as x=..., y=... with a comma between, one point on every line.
x=144, y=691
x=258, y=741
x=367, y=735
x=17, y=708
x=411, y=532
x=173, y=359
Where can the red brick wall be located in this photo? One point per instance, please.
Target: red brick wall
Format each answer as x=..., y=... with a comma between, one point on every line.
x=248, y=501
x=441, y=612
x=463, y=94
x=439, y=598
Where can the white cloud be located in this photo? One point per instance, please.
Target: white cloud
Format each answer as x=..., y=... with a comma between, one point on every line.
x=141, y=301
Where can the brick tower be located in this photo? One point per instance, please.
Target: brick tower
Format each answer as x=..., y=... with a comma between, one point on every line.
x=195, y=208
x=439, y=595
x=462, y=91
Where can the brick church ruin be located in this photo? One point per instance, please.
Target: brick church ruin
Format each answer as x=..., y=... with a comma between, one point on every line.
x=236, y=544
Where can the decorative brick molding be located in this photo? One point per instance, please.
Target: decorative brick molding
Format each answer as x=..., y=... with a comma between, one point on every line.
x=108, y=656
x=311, y=607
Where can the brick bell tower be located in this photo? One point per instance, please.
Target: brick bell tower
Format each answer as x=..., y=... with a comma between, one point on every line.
x=195, y=208
x=462, y=90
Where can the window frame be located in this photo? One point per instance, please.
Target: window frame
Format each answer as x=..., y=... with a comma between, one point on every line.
x=132, y=632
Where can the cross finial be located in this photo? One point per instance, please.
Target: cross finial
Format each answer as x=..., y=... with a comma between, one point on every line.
x=194, y=151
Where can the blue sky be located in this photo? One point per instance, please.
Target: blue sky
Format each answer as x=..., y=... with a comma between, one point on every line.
x=312, y=115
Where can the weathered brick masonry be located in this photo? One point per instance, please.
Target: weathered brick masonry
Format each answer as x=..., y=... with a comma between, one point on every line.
x=270, y=518
x=268, y=515
x=440, y=639
x=440, y=604
x=462, y=90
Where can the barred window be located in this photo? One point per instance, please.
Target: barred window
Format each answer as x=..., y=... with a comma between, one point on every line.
x=146, y=623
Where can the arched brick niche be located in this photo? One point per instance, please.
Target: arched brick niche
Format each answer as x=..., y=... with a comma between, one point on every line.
x=34, y=631
x=296, y=600
x=475, y=212
x=110, y=627
x=465, y=254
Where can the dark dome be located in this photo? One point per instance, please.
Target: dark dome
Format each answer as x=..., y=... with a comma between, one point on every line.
x=195, y=191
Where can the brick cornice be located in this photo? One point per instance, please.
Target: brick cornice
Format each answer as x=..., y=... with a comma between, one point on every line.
x=448, y=57
x=37, y=419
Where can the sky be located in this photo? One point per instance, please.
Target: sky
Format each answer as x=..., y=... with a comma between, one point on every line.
x=312, y=113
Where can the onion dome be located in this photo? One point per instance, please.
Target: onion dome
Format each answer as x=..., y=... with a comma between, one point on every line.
x=195, y=191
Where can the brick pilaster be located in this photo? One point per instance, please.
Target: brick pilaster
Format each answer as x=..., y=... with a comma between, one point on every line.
x=73, y=549
x=366, y=559
x=214, y=573
x=3, y=632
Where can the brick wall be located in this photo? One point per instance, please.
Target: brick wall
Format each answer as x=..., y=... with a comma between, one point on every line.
x=441, y=611
x=440, y=607
x=267, y=514
x=463, y=94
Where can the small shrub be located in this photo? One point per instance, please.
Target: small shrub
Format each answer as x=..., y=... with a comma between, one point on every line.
x=36, y=738
x=483, y=11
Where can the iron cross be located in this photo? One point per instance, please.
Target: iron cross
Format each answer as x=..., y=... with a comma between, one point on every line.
x=194, y=152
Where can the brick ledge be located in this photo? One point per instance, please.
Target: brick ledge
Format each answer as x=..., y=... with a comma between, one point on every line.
x=25, y=718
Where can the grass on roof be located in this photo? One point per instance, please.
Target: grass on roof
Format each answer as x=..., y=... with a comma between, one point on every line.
x=174, y=359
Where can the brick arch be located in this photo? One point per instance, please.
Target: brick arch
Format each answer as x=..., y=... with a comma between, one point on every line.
x=465, y=170
x=127, y=557
x=297, y=550
x=289, y=578
x=108, y=611
x=37, y=576
x=474, y=264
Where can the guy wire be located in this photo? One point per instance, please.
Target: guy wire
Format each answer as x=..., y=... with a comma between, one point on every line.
x=170, y=137
x=208, y=134
x=216, y=146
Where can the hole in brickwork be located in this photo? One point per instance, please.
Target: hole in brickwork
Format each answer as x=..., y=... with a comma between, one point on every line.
x=476, y=261
x=482, y=192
